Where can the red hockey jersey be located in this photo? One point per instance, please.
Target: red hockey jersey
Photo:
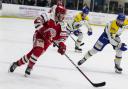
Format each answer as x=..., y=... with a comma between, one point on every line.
x=52, y=31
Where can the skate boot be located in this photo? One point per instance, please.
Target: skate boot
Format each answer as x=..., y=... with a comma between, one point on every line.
x=118, y=69
x=13, y=67
x=81, y=61
x=77, y=49
x=28, y=72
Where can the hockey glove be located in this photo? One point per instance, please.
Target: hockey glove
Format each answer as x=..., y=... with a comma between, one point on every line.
x=62, y=48
x=76, y=32
x=123, y=47
x=89, y=33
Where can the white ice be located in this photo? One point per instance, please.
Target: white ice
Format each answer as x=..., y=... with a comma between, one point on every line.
x=52, y=70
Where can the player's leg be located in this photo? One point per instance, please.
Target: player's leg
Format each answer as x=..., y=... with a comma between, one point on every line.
x=20, y=62
x=24, y=59
x=78, y=42
x=99, y=45
x=117, y=61
x=121, y=47
x=88, y=55
x=38, y=49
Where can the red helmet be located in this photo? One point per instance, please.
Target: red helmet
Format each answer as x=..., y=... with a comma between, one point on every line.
x=60, y=9
x=60, y=12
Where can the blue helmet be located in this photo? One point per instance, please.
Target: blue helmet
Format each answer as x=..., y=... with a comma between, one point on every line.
x=121, y=17
x=85, y=10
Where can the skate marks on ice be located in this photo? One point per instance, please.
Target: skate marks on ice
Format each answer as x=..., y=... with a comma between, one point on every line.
x=42, y=79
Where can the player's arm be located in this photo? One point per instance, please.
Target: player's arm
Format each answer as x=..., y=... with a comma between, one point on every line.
x=52, y=9
x=61, y=42
x=88, y=26
x=111, y=37
x=77, y=23
x=62, y=36
x=40, y=20
x=125, y=27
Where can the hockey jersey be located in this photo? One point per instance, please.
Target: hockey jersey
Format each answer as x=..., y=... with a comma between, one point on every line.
x=57, y=34
x=125, y=22
x=79, y=18
x=113, y=30
x=78, y=21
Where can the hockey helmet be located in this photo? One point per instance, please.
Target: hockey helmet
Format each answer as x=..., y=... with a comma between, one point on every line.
x=85, y=10
x=60, y=13
x=60, y=9
x=121, y=17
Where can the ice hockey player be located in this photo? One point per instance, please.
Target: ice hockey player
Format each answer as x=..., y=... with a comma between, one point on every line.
x=48, y=31
x=111, y=35
x=52, y=11
x=80, y=19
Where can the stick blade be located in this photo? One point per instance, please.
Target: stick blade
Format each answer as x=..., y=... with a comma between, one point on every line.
x=99, y=84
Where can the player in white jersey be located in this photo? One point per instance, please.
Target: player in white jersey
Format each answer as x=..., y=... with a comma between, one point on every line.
x=111, y=35
x=79, y=20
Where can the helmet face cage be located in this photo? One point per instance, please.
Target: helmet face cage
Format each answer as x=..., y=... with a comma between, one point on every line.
x=60, y=13
x=85, y=10
x=60, y=9
x=120, y=19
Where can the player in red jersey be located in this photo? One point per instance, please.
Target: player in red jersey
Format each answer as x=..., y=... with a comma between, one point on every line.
x=48, y=31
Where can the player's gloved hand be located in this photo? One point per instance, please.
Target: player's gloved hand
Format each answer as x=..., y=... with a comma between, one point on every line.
x=89, y=33
x=76, y=32
x=122, y=47
x=62, y=48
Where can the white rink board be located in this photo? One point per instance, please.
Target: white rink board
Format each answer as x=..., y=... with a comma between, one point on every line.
x=33, y=11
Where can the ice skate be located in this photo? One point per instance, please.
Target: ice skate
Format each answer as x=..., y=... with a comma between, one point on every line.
x=27, y=72
x=13, y=67
x=118, y=69
x=81, y=61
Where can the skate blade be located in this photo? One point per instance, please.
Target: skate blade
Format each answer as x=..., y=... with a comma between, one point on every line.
x=119, y=72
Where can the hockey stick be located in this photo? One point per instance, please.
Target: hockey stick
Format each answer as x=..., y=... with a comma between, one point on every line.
x=94, y=84
x=75, y=41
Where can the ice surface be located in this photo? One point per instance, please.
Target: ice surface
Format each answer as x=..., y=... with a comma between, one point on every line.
x=52, y=70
